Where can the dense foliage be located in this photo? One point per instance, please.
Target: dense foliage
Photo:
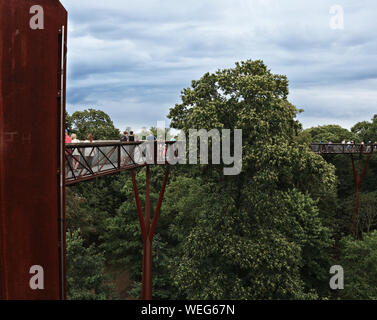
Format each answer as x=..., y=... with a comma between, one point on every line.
x=271, y=232
x=359, y=261
x=95, y=122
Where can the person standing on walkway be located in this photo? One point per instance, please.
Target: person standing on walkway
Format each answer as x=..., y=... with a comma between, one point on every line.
x=150, y=147
x=90, y=152
x=131, y=137
x=76, y=153
x=150, y=136
x=67, y=137
x=124, y=138
x=68, y=154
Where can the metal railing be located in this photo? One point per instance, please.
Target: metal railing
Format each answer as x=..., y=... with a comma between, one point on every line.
x=85, y=161
x=338, y=148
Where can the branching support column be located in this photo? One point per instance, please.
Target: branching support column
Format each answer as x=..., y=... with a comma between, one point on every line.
x=358, y=178
x=148, y=229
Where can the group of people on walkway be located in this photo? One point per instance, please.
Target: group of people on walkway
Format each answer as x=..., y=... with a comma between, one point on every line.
x=347, y=146
x=83, y=158
x=350, y=142
x=88, y=153
x=128, y=137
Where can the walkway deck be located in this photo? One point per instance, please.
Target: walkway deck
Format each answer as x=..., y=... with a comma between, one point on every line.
x=335, y=148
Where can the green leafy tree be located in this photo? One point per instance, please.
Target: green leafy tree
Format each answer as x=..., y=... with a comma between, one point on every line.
x=86, y=271
x=259, y=234
x=359, y=261
x=367, y=131
x=96, y=201
x=367, y=214
x=333, y=133
x=95, y=122
x=68, y=122
x=78, y=216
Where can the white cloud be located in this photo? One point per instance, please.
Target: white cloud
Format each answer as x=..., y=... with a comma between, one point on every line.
x=131, y=56
x=335, y=105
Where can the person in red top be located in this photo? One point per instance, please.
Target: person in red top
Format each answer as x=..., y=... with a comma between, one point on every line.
x=68, y=139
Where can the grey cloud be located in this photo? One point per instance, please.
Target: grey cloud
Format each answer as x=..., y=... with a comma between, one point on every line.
x=134, y=58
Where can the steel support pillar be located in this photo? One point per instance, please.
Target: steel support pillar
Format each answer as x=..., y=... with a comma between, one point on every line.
x=148, y=229
x=358, y=179
x=32, y=105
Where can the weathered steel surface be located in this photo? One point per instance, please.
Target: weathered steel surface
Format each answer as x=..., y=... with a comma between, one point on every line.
x=358, y=179
x=30, y=62
x=147, y=228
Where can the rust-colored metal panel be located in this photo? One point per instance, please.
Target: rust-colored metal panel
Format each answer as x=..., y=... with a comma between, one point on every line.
x=31, y=211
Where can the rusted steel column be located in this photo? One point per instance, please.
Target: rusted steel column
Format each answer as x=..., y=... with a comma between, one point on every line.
x=358, y=178
x=148, y=270
x=32, y=102
x=355, y=211
x=159, y=204
x=148, y=230
x=142, y=228
x=155, y=151
x=147, y=259
x=147, y=199
x=62, y=198
x=356, y=175
x=143, y=272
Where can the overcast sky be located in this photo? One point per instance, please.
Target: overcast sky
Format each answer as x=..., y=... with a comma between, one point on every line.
x=131, y=59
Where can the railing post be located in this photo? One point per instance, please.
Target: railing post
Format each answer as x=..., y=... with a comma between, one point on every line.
x=155, y=151
x=119, y=156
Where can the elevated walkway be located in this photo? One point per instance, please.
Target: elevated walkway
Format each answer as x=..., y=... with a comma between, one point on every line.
x=85, y=161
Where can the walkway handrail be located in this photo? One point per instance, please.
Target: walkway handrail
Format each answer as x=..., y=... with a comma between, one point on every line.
x=342, y=148
x=89, y=160
x=112, y=143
